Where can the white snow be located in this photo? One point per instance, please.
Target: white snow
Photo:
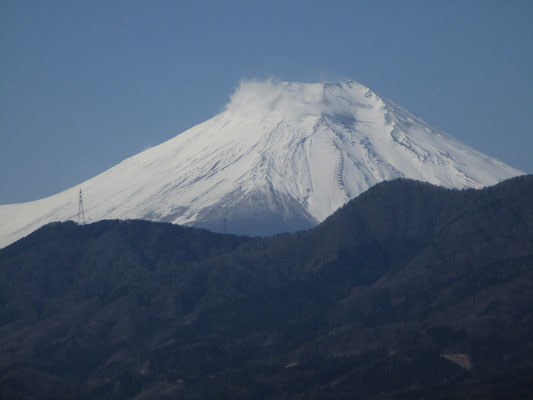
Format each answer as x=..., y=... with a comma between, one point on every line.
x=280, y=157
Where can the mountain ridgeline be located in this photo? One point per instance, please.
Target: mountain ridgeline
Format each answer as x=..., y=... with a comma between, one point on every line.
x=408, y=291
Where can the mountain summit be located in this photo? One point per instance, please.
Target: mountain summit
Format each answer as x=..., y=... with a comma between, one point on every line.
x=280, y=157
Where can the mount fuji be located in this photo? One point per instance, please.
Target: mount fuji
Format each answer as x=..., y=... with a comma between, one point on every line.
x=280, y=157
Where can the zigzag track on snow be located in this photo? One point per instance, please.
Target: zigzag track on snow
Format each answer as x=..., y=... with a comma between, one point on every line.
x=339, y=168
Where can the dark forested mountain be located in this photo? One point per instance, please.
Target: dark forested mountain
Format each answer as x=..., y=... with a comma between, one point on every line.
x=408, y=291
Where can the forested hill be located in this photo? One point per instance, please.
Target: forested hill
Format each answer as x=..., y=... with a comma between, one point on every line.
x=408, y=291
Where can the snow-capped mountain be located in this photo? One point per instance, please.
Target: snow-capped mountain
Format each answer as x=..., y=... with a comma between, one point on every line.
x=280, y=157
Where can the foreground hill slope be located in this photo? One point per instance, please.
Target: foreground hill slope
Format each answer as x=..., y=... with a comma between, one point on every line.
x=408, y=291
x=281, y=157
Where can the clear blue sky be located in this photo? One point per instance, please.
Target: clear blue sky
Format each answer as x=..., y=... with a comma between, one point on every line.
x=85, y=84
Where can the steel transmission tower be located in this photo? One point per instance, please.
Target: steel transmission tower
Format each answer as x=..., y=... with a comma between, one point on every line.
x=81, y=211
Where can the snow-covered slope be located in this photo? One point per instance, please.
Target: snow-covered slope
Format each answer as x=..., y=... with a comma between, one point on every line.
x=280, y=157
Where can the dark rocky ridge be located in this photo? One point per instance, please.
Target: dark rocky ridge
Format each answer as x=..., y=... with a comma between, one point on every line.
x=363, y=306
